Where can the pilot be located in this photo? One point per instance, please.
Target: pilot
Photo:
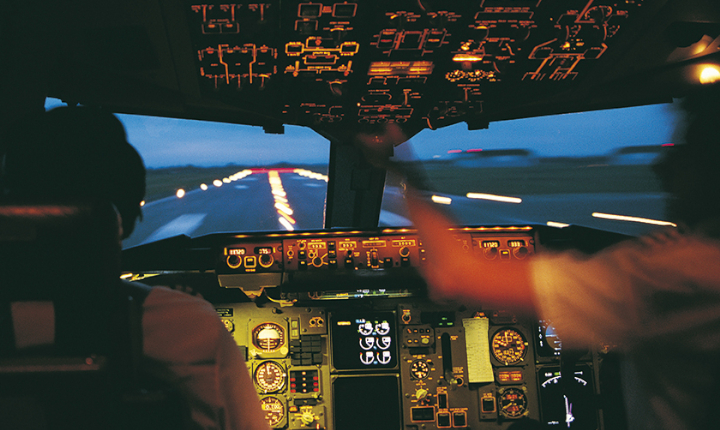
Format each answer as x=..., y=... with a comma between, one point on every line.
x=657, y=297
x=78, y=154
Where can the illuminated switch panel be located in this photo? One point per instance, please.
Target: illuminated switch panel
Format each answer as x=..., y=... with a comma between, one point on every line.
x=504, y=247
x=251, y=258
x=304, y=381
x=236, y=66
x=351, y=253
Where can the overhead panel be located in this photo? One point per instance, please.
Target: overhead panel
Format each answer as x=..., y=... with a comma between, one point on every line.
x=426, y=63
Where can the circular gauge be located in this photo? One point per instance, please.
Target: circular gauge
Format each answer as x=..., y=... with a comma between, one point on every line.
x=382, y=328
x=268, y=337
x=270, y=377
x=508, y=346
x=419, y=369
x=513, y=402
x=273, y=409
x=365, y=328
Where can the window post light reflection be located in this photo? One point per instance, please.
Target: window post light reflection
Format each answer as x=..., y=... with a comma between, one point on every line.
x=203, y=187
x=632, y=219
x=493, y=197
x=709, y=74
x=180, y=193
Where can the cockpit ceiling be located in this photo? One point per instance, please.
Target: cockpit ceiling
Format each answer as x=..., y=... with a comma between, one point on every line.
x=344, y=66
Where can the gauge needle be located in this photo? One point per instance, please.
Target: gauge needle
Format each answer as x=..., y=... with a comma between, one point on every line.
x=568, y=412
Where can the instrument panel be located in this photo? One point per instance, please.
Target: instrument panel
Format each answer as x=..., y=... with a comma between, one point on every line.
x=324, y=356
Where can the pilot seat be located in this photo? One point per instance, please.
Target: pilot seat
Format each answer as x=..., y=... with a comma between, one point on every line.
x=70, y=329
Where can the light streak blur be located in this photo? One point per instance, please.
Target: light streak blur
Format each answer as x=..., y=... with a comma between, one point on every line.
x=283, y=208
x=441, y=200
x=217, y=182
x=180, y=193
x=285, y=223
x=632, y=219
x=311, y=175
x=279, y=194
x=203, y=187
x=557, y=224
x=493, y=197
x=287, y=217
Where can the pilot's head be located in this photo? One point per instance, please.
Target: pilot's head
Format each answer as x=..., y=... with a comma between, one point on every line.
x=76, y=153
x=689, y=171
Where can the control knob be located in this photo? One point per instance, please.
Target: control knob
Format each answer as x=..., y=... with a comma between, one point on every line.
x=234, y=261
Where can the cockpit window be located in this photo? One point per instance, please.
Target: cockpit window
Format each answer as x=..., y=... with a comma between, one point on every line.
x=210, y=177
x=591, y=169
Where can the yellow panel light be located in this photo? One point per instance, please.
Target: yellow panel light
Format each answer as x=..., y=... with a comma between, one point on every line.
x=472, y=58
x=493, y=197
x=632, y=219
x=402, y=68
x=709, y=74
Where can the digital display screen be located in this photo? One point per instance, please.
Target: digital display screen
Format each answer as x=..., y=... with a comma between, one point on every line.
x=549, y=344
x=568, y=405
x=364, y=341
x=263, y=251
x=367, y=402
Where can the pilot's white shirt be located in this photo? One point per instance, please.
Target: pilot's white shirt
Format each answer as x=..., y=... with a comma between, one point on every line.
x=184, y=333
x=657, y=299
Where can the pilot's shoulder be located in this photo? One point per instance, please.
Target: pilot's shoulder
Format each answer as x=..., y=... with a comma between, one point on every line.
x=177, y=324
x=169, y=299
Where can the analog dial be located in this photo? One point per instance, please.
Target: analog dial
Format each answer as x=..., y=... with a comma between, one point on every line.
x=268, y=337
x=419, y=369
x=273, y=410
x=509, y=346
x=513, y=402
x=270, y=377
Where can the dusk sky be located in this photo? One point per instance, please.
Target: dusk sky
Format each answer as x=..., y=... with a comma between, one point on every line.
x=171, y=142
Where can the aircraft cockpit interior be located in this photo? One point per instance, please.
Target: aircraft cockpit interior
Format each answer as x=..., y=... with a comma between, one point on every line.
x=536, y=121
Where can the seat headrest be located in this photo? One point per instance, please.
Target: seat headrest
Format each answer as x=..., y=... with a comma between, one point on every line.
x=43, y=245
